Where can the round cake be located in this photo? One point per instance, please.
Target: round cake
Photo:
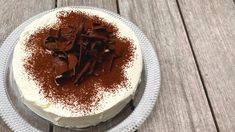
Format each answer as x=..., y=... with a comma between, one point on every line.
x=77, y=67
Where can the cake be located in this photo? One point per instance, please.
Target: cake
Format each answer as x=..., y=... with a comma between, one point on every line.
x=77, y=67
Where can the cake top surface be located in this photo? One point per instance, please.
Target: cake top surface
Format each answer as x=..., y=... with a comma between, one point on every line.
x=71, y=41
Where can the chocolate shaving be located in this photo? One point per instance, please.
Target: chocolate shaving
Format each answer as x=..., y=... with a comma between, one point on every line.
x=97, y=36
x=72, y=61
x=60, y=79
x=99, y=28
x=82, y=47
x=92, y=67
x=111, y=63
x=50, y=44
x=84, y=69
x=61, y=55
x=80, y=28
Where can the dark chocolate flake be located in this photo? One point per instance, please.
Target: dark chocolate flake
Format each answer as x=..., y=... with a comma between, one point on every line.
x=72, y=61
x=53, y=33
x=65, y=45
x=92, y=67
x=79, y=30
x=99, y=28
x=51, y=45
x=82, y=48
x=111, y=62
x=60, y=79
x=83, y=71
x=96, y=36
x=51, y=39
x=63, y=56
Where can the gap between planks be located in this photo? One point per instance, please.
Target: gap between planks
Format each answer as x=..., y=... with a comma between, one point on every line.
x=55, y=3
x=197, y=66
x=118, y=9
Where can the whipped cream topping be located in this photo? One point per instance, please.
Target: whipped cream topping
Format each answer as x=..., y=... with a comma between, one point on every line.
x=110, y=103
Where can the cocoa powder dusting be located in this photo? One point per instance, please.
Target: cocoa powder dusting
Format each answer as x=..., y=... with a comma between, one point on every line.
x=44, y=67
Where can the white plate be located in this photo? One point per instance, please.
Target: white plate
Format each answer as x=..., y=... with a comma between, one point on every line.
x=131, y=123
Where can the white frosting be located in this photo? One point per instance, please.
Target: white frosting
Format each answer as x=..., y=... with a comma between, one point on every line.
x=111, y=103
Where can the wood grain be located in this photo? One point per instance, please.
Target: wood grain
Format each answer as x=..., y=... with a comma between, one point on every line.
x=106, y=4
x=4, y=127
x=13, y=13
x=211, y=28
x=182, y=105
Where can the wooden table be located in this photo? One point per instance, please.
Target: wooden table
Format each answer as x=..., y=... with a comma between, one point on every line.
x=195, y=43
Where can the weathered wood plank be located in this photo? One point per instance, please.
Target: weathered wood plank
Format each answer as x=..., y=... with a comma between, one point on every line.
x=13, y=13
x=106, y=4
x=211, y=28
x=4, y=127
x=182, y=105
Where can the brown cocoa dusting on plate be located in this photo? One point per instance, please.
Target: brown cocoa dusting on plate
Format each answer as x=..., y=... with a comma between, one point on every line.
x=68, y=59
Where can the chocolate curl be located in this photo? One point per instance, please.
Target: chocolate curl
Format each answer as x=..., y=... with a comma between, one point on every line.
x=83, y=48
x=79, y=75
x=60, y=79
x=72, y=61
